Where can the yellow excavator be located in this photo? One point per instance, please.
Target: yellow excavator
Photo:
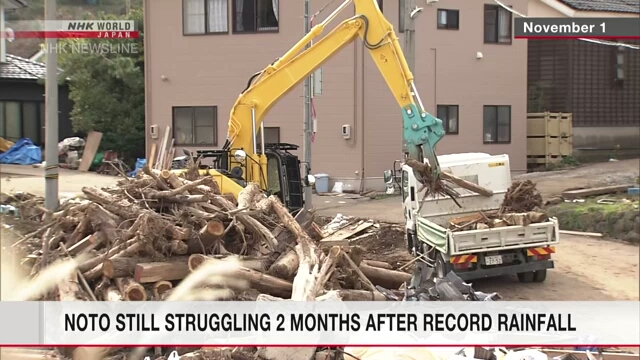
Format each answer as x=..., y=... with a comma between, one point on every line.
x=273, y=166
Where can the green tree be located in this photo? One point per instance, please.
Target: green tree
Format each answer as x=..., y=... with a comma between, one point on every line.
x=106, y=86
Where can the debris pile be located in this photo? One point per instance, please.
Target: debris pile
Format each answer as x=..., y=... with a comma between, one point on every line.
x=152, y=237
x=521, y=197
x=521, y=206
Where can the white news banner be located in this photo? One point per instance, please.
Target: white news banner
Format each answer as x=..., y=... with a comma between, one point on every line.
x=284, y=323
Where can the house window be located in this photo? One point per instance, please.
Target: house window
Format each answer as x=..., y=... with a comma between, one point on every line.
x=22, y=119
x=497, y=124
x=271, y=136
x=251, y=16
x=195, y=125
x=449, y=116
x=205, y=17
x=497, y=25
x=448, y=19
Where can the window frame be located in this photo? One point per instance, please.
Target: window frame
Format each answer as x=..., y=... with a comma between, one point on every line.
x=259, y=137
x=193, y=125
x=497, y=8
x=40, y=115
x=497, y=124
x=257, y=30
x=447, y=26
x=445, y=122
x=206, y=21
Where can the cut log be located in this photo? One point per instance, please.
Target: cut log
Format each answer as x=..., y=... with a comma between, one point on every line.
x=286, y=266
x=348, y=263
x=253, y=225
x=84, y=353
x=262, y=282
x=28, y=354
x=89, y=243
x=208, y=236
x=104, y=220
x=389, y=279
x=80, y=232
x=160, y=288
x=168, y=194
x=424, y=168
x=175, y=269
x=378, y=264
x=111, y=293
x=173, y=180
x=118, y=267
x=131, y=290
x=361, y=295
x=129, y=248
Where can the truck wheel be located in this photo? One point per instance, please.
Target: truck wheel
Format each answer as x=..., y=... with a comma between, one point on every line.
x=540, y=276
x=526, y=277
x=442, y=267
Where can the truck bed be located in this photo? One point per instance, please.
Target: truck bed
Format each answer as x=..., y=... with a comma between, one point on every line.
x=474, y=241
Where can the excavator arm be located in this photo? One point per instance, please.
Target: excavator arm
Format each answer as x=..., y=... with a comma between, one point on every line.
x=422, y=131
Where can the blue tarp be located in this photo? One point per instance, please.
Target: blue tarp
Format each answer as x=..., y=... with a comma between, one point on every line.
x=22, y=153
x=140, y=163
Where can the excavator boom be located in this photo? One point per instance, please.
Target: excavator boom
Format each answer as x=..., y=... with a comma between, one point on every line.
x=422, y=131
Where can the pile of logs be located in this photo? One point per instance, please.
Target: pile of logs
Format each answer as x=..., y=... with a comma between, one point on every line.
x=139, y=239
x=521, y=206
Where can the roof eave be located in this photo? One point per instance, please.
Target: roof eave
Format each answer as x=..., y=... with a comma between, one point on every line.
x=14, y=4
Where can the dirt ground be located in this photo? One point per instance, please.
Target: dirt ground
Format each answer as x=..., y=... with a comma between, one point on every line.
x=585, y=268
x=551, y=183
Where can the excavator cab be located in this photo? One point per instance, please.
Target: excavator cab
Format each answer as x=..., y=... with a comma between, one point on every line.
x=283, y=171
x=283, y=175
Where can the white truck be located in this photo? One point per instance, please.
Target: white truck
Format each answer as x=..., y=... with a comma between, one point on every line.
x=522, y=250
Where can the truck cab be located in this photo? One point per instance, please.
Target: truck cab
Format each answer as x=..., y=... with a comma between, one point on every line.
x=521, y=250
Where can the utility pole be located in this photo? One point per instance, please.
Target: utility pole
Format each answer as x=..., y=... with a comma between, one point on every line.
x=308, y=114
x=409, y=43
x=51, y=119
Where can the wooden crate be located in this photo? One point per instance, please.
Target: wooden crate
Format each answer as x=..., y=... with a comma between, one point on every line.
x=549, y=137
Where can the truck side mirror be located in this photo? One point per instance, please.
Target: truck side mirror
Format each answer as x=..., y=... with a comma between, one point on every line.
x=388, y=176
x=311, y=180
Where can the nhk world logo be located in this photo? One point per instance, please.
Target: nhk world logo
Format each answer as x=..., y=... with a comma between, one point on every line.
x=79, y=47
x=70, y=29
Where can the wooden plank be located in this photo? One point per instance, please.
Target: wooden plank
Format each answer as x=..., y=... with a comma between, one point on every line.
x=163, y=148
x=152, y=155
x=90, y=150
x=344, y=233
x=575, y=194
x=580, y=233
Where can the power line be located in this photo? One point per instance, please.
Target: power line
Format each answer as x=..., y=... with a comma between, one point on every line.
x=601, y=42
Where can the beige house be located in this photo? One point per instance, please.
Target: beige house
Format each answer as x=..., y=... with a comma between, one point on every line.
x=470, y=72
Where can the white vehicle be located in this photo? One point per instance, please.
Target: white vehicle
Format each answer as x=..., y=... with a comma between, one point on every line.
x=522, y=250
